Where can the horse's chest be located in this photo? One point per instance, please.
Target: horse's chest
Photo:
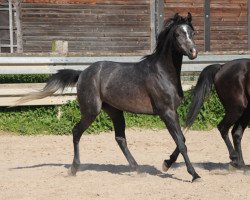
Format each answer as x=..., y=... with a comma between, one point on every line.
x=165, y=94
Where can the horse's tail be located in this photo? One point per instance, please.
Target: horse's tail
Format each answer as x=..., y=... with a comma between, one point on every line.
x=59, y=81
x=201, y=90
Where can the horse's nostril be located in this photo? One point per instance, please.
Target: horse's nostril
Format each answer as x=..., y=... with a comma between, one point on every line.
x=193, y=52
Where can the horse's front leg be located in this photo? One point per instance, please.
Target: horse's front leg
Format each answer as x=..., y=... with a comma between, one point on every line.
x=173, y=157
x=170, y=118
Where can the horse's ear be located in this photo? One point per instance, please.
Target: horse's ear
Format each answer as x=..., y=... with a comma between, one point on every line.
x=176, y=17
x=168, y=23
x=189, y=17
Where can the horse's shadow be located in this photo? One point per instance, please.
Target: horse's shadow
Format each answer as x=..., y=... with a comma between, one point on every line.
x=143, y=169
x=111, y=168
x=211, y=166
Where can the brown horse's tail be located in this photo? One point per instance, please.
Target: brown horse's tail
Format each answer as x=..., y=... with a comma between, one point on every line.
x=201, y=90
x=59, y=81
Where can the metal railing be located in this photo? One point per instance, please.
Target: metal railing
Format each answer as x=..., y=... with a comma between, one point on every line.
x=9, y=93
x=50, y=65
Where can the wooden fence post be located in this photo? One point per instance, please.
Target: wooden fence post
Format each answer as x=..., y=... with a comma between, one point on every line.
x=207, y=25
x=19, y=33
x=159, y=12
x=60, y=46
x=248, y=22
x=157, y=18
x=11, y=26
x=152, y=25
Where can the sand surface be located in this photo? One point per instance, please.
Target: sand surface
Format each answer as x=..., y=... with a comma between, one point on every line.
x=35, y=167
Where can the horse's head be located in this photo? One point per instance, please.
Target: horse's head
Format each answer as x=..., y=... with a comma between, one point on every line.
x=177, y=36
x=183, y=35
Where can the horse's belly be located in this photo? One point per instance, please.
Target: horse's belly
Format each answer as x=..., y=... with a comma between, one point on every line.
x=130, y=103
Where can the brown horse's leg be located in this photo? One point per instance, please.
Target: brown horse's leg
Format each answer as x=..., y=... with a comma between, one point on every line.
x=237, y=134
x=119, y=126
x=230, y=118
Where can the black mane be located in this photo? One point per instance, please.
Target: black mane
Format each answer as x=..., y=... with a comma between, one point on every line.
x=165, y=37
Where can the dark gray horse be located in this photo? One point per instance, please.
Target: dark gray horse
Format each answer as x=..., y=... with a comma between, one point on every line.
x=151, y=86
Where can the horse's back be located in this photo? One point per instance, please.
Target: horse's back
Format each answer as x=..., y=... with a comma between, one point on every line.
x=121, y=85
x=233, y=73
x=232, y=83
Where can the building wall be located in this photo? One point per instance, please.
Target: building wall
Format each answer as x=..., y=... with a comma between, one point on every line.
x=123, y=26
x=91, y=27
x=122, y=2
x=228, y=20
x=229, y=25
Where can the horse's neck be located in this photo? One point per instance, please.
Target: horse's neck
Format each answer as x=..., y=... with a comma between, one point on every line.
x=171, y=64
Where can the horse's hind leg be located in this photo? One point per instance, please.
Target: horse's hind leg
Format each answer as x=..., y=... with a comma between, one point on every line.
x=77, y=131
x=230, y=118
x=118, y=120
x=237, y=134
x=90, y=106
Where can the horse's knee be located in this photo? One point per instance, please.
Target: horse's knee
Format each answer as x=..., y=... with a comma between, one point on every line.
x=233, y=156
x=219, y=127
x=237, y=138
x=121, y=140
x=183, y=139
x=77, y=133
x=237, y=133
x=230, y=119
x=182, y=147
x=223, y=130
x=76, y=136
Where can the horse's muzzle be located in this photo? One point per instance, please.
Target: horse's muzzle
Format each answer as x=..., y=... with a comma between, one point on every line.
x=193, y=53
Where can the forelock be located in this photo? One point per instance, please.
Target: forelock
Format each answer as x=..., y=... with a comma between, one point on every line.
x=177, y=20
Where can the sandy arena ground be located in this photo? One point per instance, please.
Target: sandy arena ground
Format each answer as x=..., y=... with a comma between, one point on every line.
x=35, y=167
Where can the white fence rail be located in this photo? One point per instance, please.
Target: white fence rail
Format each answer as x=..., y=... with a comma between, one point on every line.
x=49, y=65
x=9, y=93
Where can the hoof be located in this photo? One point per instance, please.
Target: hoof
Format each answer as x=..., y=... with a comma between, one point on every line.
x=197, y=180
x=72, y=171
x=247, y=172
x=232, y=167
x=165, y=167
x=134, y=168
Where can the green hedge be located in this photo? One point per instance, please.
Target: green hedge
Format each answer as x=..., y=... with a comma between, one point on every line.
x=23, y=78
x=45, y=120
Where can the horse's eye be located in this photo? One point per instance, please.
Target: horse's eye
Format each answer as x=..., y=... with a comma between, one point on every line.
x=177, y=34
